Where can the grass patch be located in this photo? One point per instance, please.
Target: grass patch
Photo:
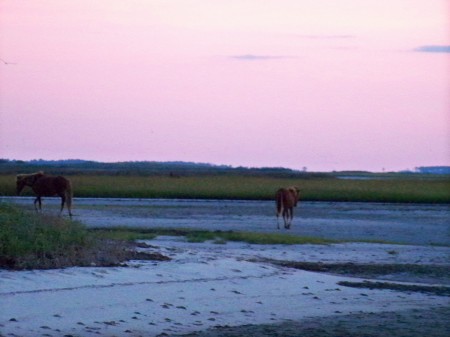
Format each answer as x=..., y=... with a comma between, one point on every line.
x=273, y=239
x=27, y=240
x=220, y=237
x=35, y=241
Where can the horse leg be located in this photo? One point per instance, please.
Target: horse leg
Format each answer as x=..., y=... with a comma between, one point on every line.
x=39, y=202
x=70, y=210
x=69, y=206
x=291, y=216
x=286, y=218
x=63, y=200
x=279, y=210
x=38, y=199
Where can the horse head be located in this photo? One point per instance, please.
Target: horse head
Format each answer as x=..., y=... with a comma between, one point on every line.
x=23, y=180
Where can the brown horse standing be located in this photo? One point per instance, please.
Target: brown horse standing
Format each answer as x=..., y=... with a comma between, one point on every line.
x=46, y=186
x=286, y=200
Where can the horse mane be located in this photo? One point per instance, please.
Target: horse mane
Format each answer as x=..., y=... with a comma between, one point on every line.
x=26, y=175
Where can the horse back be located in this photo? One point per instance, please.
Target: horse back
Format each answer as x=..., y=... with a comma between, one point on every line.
x=285, y=199
x=50, y=186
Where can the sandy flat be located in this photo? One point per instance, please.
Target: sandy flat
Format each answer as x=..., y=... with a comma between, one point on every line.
x=211, y=286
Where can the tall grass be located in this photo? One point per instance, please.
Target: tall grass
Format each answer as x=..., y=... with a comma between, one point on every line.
x=35, y=241
x=28, y=240
x=410, y=189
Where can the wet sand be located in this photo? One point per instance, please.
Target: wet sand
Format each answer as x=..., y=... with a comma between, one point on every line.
x=232, y=289
x=430, y=322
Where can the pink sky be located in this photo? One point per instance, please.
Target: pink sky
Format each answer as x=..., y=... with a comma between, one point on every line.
x=322, y=84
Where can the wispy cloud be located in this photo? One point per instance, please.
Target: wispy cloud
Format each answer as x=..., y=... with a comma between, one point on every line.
x=433, y=49
x=253, y=57
x=326, y=37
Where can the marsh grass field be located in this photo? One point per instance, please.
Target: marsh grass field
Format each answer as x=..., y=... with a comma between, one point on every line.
x=400, y=189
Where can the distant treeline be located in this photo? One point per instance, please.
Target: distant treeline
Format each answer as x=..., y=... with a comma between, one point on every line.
x=173, y=169
x=177, y=169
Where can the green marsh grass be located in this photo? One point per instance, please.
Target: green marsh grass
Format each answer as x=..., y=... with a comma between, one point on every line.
x=220, y=237
x=404, y=189
x=34, y=241
x=217, y=236
x=29, y=239
x=273, y=238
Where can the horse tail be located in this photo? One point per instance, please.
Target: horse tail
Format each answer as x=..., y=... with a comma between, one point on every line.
x=69, y=196
x=279, y=202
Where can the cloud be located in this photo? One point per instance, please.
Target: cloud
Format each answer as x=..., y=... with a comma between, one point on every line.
x=252, y=57
x=433, y=49
x=326, y=37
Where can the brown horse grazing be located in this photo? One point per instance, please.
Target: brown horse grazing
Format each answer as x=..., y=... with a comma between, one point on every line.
x=46, y=186
x=286, y=200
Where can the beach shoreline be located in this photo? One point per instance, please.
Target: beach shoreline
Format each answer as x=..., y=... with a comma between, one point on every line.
x=209, y=289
